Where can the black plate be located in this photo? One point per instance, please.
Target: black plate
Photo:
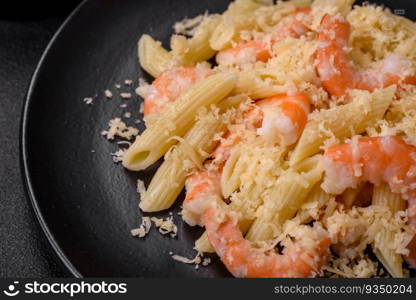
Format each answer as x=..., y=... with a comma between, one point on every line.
x=85, y=203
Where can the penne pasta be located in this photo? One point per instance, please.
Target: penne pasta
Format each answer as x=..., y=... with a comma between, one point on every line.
x=251, y=83
x=231, y=174
x=188, y=155
x=176, y=120
x=231, y=102
x=203, y=245
x=239, y=16
x=392, y=261
x=382, y=195
x=290, y=192
x=153, y=58
x=342, y=121
x=184, y=158
x=196, y=49
x=315, y=201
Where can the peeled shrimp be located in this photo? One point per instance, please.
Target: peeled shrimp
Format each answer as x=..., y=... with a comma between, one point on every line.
x=284, y=117
x=199, y=186
x=242, y=259
x=259, y=50
x=169, y=85
x=377, y=160
x=280, y=118
x=337, y=71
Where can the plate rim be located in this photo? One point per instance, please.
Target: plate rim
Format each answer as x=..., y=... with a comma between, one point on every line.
x=23, y=150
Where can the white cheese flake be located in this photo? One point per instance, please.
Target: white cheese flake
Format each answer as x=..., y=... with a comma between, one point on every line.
x=143, y=229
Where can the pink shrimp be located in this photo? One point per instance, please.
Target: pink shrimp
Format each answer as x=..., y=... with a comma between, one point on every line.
x=284, y=117
x=374, y=159
x=337, y=71
x=169, y=85
x=280, y=118
x=240, y=257
x=259, y=50
x=199, y=185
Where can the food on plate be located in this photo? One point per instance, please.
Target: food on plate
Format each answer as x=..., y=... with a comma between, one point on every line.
x=291, y=127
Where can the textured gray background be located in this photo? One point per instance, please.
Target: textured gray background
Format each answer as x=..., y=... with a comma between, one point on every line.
x=24, y=250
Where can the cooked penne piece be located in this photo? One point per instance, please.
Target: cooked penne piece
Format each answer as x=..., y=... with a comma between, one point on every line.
x=392, y=261
x=231, y=102
x=196, y=49
x=290, y=192
x=238, y=16
x=382, y=195
x=316, y=199
x=198, y=142
x=250, y=83
x=176, y=120
x=342, y=121
x=153, y=58
x=188, y=155
x=231, y=173
x=203, y=245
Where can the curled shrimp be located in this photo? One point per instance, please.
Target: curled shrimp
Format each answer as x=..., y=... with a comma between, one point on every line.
x=169, y=85
x=284, y=117
x=337, y=71
x=303, y=258
x=377, y=160
x=280, y=118
x=259, y=50
x=199, y=185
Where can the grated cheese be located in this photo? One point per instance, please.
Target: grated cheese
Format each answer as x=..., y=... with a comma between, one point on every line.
x=188, y=26
x=165, y=226
x=120, y=129
x=108, y=94
x=143, y=229
x=141, y=189
x=198, y=260
x=125, y=95
x=118, y=155
x=88, y=100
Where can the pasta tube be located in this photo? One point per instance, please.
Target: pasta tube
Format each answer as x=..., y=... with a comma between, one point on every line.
x=342, y=121
x=190, y=153
x=392, y=261
x=310, y=210
x=203, y=245
x=231, y=102
x=176, y=120
x=238, y=16
x=197, y=48
x=153, y=58
x=290, y=192
x=255, y=87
